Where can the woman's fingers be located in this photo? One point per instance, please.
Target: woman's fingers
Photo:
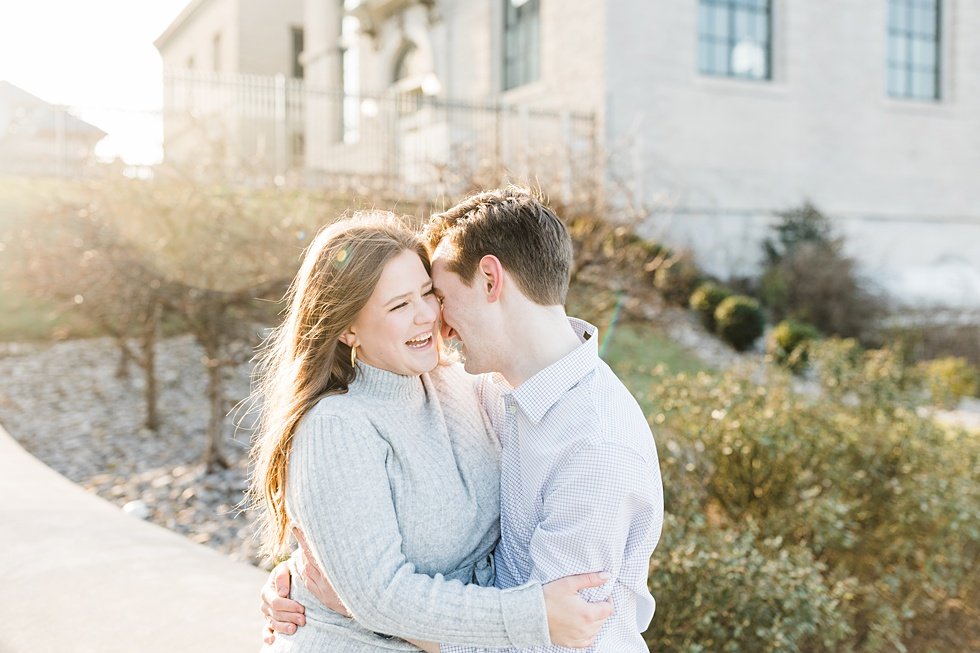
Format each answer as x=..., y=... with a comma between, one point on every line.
x=287, y=611
x=580, y=582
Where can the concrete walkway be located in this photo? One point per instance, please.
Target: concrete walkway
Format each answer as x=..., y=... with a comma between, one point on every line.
x=78, y=575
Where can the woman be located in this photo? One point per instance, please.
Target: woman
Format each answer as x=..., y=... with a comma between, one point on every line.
x=384, y=459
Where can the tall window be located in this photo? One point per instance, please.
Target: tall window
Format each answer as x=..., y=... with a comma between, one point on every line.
x=913, y=49
x=735, y=37
x=216, y=53
x=522, y=47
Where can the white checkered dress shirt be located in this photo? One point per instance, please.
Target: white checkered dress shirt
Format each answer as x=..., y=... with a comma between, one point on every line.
x=580, y=488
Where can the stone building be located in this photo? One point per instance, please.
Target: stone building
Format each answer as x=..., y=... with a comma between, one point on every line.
x=712, y=114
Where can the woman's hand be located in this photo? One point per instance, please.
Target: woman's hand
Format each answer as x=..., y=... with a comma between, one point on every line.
x=573, y=621
x=314, y=579
x=282, y=615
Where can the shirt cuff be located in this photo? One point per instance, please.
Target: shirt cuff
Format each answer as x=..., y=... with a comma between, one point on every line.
x=525, y=615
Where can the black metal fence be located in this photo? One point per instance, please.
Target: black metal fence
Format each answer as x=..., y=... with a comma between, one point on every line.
x=406, y=142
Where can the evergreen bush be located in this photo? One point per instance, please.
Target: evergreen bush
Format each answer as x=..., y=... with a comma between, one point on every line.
x=705, y=300
x=789, y=344
x=739, y=321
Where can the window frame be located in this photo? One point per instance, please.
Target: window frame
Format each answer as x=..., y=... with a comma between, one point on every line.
x=520, y=44
x=709, y=40
x=908, y=67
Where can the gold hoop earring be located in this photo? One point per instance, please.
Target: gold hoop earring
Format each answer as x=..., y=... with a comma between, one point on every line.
x=353, y=356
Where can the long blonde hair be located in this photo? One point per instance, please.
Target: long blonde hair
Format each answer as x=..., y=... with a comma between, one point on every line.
x=303, y=359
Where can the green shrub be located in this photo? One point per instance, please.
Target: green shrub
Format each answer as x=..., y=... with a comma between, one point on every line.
x=950, y=379
x=734, y=590
x=739, y=321
x=705, y=301
x=789, y=344
x=885, y=500
x=808, y=277
x=676, y=277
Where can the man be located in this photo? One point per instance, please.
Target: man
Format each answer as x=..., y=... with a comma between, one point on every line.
x=580, y=485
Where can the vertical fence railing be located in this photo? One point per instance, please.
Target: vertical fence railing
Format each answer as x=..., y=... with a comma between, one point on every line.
x=405, y=142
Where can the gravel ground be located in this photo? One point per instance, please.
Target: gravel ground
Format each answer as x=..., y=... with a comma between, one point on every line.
x=65, y=405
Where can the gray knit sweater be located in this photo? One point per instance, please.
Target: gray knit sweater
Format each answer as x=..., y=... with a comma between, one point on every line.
x=396, y=486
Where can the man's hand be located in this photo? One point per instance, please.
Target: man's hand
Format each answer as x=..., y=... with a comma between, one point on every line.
x=573, y=621
x=282, y=615
x=314, y=579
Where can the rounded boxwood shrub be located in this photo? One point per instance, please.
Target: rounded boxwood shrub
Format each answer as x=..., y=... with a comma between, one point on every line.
x=705, y=300
x=739, y=321
x=789, y=344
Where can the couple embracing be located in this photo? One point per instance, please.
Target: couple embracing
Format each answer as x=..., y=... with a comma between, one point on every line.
x=511, y=502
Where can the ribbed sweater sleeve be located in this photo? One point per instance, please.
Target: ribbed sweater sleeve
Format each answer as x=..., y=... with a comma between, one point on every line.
x=338, y=494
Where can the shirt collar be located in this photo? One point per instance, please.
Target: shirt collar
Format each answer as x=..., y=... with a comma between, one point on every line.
x=539, y=393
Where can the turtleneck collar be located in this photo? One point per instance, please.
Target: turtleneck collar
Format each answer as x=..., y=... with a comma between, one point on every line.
x=377, y=383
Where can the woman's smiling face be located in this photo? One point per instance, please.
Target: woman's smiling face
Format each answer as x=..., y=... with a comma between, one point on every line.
x=397, y=328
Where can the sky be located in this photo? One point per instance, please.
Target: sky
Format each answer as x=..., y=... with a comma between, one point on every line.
x=96, y=56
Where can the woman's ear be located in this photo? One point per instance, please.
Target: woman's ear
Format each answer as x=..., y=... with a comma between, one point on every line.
x=348, y=337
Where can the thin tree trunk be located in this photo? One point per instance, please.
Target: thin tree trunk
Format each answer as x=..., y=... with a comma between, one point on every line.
x=149, y=340
x=122, y=368
x=214, y=457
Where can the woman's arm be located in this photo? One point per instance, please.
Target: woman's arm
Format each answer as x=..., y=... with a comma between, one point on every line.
x=338, y=492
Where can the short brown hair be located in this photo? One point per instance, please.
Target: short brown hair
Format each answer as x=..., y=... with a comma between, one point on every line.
x=519, y=229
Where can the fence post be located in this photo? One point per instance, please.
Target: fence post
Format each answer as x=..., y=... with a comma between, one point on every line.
x=524, y=125
x=280, y=130
x=565, y=181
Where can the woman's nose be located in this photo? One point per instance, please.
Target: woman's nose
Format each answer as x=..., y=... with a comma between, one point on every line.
x=427, y=312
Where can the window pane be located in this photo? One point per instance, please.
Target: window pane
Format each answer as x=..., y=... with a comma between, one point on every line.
x=742, y=24
x=719, y=59
x=704, y=17
x=734, y=37
x=761, y=31
x=720, y=23
x=521, y=54
x=704, y=56
x=924, y=53
x=897, y=49
x=924, y=22
x=923, y=85
x=898, y=15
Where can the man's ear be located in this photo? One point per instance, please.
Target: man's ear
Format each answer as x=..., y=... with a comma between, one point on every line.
x=491, y=276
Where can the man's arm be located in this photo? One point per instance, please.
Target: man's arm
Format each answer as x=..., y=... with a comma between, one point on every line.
x=590, y=508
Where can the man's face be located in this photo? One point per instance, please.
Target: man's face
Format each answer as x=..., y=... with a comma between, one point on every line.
x=464, y=315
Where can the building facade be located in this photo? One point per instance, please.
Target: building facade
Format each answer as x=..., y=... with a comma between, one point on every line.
x=713, y=115
x=207, y=52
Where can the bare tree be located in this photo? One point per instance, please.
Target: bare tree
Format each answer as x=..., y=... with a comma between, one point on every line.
x=76, y=258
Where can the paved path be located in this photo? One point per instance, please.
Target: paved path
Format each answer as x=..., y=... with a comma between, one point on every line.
x=77, y=575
